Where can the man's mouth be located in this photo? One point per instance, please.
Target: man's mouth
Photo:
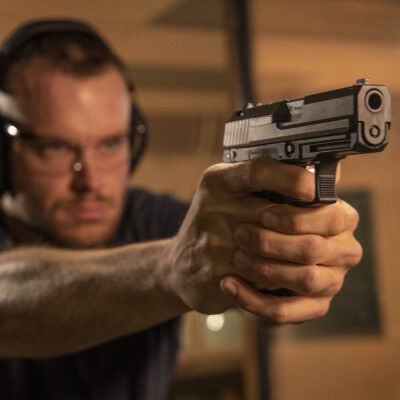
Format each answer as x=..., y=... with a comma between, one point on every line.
x=88, y=211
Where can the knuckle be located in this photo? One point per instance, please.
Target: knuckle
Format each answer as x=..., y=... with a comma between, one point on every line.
x=337, y=286
x=352, y=216
x=322, y=309
x=259, y=241
x=356, y=254
x=249, y=306
x=280, y=315
x=336, y=225
x=257, y=266
x=311, y=280
x=313, y=249
x=209, y=178
x=268, y=272
x=209, y=240
x=243, y=262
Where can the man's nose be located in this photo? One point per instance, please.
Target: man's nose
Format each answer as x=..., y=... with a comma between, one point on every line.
x=86, y=173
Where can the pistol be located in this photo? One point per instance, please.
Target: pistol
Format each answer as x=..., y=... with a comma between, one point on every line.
x=319, y=130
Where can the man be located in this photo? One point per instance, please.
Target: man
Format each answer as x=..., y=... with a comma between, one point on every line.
x=85, y=318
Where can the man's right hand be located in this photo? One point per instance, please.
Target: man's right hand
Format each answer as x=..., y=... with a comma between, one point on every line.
x=232, y=244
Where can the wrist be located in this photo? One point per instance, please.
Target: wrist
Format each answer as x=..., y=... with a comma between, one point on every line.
x=169, y=276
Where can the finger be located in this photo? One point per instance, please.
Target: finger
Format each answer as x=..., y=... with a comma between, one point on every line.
x=248, y=209
x=343, y=250
x=261, y=174
x=304, y=279
x=324, y=221
x=308, y=249
x=274, y=309
x=338, y=172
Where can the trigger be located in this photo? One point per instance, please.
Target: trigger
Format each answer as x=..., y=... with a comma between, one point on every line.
x=325, y=181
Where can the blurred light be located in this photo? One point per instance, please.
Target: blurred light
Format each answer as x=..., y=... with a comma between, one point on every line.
x=12, y=130
x=311, y=168
x=215, y=322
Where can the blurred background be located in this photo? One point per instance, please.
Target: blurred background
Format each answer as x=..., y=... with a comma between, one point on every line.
x=179, y=54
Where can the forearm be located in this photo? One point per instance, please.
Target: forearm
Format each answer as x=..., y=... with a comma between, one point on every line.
x=55, y=301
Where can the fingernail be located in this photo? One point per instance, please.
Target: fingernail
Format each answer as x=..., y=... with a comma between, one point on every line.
x=270, y=219
x=242, y=260
x=242, y=236
x=230, y=287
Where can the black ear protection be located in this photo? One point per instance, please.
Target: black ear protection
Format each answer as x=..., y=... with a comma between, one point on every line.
x=33, y=29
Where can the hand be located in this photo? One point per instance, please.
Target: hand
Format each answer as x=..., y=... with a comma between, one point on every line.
x=205, y=258
x=306, y=250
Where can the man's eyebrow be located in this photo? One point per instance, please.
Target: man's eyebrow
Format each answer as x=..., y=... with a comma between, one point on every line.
x=115, y=135
x=28, y=135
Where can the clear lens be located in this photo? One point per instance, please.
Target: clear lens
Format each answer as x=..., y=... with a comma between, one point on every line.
x=55, y=157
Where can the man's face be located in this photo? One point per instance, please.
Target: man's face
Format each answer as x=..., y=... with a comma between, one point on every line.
x=72, y=176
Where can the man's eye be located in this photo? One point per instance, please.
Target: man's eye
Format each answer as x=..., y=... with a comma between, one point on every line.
x=54, y=149
x=113, y=144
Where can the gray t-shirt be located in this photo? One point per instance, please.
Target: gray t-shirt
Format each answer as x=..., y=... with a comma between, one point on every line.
x=133, y=367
